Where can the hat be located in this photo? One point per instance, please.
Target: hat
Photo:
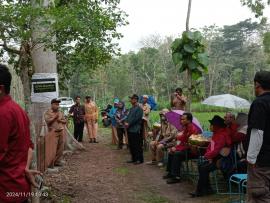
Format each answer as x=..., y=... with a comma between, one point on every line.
x=163, y=111
x=134, y=96
x=145, y=96
x=263, y=78
x=218, y=121
x=116, y=101
x=55, y=100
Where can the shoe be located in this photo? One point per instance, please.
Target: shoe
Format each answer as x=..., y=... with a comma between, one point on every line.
x=90, y=141
x=173, y=180
x=95, y=141
x=167, y=176
x=195, y=194
x=160, y=164
x=130, y=162
x=138, y=162
x=153, y=162
x=60, y=163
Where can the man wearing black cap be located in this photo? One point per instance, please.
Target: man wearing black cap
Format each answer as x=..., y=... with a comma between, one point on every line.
x=55, y=121
x=258, y=155
x=218, y=141
x=133, y=125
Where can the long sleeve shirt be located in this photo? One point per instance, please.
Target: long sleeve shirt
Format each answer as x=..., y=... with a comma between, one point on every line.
x=218, y=141
x=134, y=119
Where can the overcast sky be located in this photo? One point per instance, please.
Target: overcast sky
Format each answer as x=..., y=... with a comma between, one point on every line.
x=168, y=17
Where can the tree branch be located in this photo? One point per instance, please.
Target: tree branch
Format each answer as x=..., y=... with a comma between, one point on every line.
x=8, y=49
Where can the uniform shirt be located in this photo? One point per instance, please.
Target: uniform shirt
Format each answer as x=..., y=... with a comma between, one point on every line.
x=259, y=119
x=55, y=125
x=91, y=111
x=146, y=111
x=78, y=113
x=14, y=145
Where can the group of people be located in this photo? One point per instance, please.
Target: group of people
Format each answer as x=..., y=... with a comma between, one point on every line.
x=83, y=115
x=238, y=145
x=248, y=137
x=130, y=126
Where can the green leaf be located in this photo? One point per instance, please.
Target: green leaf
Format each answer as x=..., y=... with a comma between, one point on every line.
x=203, y=59
x=196, y=75
x=176, y=44
x=190, y=35
x=177, y=58
x=189, y=48
x=192, y=64
x=182, y=68
x=197, y=36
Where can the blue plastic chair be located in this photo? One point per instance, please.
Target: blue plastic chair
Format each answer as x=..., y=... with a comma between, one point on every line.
x=237, y=179
x=244, y=188
x=207, y=134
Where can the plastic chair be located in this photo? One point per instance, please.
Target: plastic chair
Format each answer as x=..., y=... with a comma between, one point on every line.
x=244, y=188
x=238, y=180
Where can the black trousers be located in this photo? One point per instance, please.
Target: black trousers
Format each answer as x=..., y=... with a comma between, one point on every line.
x=120, y=135
x=174, y=163
x=135, y=141
x=204, y=169
x=78, y=131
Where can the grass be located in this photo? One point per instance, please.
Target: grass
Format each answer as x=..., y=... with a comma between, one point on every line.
x=150, y=197
x=121, y=171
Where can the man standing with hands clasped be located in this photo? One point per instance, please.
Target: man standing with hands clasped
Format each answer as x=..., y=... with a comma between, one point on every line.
x=56, y=122
x=258, y=155
x=133, y=125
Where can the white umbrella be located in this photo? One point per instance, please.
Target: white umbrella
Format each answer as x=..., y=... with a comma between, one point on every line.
x=228, y=101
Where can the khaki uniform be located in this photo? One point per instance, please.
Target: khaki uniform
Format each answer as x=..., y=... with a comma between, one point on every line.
x=167, y=135
x=146, y=111
x=56, y=128
x=91, y=118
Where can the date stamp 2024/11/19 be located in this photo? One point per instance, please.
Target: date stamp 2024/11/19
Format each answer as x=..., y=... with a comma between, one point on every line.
x=27, y=194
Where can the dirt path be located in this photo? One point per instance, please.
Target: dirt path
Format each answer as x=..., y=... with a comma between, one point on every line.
x=100, y=174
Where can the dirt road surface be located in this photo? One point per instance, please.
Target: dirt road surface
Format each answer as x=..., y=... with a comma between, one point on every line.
x=100, y=174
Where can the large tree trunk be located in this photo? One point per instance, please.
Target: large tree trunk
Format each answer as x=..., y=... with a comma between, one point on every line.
x=25, y=68
x=43, y=62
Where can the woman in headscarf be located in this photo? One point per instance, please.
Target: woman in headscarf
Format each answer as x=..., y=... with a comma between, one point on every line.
x=120, y=116
x=113, y=121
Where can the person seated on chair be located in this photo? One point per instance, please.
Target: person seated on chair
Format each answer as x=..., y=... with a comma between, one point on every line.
x=208, y=163
x=167, y=135
x=229, y=120
x=179, y=153
x=240, y=140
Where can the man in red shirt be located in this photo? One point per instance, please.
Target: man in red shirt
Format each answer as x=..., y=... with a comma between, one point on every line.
x=178, y=153
x=218, y=141
x=231, y=127
x=15, y=147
